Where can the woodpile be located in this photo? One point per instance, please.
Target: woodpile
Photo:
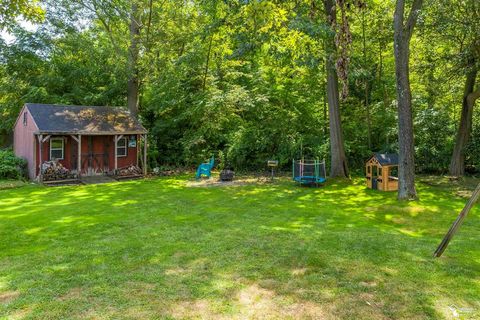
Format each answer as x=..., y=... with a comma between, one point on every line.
x=129, y=171
x=54, y=170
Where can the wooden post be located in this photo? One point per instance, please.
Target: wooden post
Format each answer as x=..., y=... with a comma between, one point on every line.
x=78, y=139
x=138, y=148
x=145, y=154
x=79, y=158
x=46, y=138
x=115, y=148
x=458, y=222
x=40, y=173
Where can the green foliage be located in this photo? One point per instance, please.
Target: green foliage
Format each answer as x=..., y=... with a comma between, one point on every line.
x=11, y=10
x=12, y=167
x=245, y=80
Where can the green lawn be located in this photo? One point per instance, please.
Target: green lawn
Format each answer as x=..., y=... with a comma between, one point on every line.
x=8, y=184
x=162, y=249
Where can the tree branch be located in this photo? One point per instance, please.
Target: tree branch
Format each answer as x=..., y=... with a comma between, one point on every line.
x=106, y=26
x=412, y=17
x=473, y=96
x=398, y=16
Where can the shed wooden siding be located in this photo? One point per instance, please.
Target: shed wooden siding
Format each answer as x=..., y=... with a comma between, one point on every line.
x=24, y=141
x=100, y=145
x=130, y=159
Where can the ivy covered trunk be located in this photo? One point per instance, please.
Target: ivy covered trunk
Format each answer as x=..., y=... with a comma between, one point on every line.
x=338, y=164
x=457, y=163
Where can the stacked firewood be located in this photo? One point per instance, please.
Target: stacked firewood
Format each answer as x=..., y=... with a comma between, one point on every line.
x=129, y=171
x=54, y=170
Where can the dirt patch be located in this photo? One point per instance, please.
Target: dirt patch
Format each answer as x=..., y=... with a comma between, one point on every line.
x=259, y=303
x=8, y=296
x=240, y=181
x=450, y=310
x=175, y=271
x=20, y=314
x=299, y=271
x=72, y=294
x=251, y=302
x=196, y=309
x=466, y=194
x=368, y=284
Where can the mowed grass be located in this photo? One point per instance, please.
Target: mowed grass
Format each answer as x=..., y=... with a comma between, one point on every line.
x=159, y=249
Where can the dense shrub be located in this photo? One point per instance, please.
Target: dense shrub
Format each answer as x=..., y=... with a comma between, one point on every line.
x=11, y=166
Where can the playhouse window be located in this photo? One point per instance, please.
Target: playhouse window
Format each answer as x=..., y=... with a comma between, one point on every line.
x=25, y=117
x=393, y=173
x=122, y=147
x=56, y=149
x=379, y=171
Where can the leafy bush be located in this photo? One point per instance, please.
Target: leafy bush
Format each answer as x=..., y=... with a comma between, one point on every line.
x=11, y=166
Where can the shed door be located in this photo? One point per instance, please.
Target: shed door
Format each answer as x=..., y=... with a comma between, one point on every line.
x=98, y=155
x=90, y=155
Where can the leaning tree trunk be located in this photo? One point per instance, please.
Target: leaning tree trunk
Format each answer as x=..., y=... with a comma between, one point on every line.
x=402, y=34
x=339, y=167
x=457, y=163
x=133, y=51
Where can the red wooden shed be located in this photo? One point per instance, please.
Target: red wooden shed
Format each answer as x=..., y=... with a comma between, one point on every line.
x=88, y=140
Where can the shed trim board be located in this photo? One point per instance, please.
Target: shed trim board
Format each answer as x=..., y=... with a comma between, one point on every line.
x=105, y=133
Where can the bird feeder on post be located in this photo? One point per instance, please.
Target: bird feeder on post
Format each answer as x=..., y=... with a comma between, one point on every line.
x=272, y=164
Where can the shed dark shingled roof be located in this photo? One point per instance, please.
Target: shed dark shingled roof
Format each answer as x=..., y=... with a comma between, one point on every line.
x=51, y=118
x=387, y=159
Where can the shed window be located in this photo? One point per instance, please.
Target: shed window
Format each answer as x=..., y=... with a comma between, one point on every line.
x=122, y=147
x=56, y=149
x=25, y=117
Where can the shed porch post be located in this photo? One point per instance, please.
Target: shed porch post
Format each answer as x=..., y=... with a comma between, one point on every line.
x=78, y=139
x=115, y=157
x=79, y=158
x=145, y=154
x=40, y=173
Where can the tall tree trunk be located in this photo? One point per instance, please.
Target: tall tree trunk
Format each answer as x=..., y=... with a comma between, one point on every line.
x=133, y=51
x=207, y=62
x=366, y=102
x=402, y=34
x=457, y=163
x=339, y=167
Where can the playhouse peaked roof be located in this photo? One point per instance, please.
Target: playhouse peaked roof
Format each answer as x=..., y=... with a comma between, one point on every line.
x=386, y=159
x=55, y=119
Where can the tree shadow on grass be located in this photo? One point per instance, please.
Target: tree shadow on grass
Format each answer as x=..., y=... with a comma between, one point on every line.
x=156, y=248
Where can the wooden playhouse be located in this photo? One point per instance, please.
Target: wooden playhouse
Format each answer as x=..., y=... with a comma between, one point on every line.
x=382, y=172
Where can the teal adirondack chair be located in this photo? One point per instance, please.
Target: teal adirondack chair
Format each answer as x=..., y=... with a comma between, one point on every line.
x=205, y=168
